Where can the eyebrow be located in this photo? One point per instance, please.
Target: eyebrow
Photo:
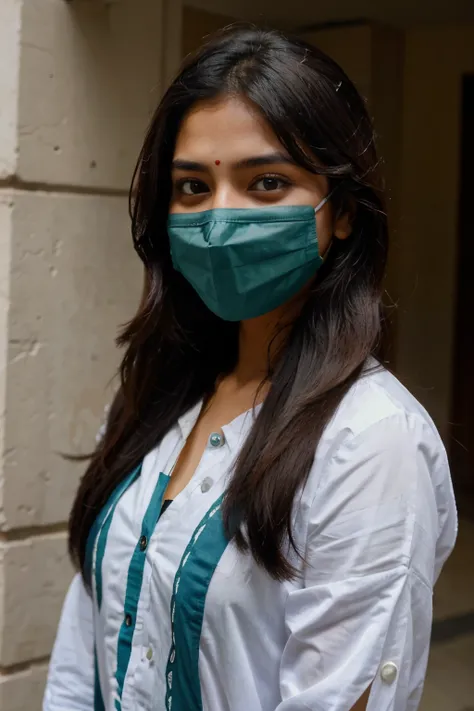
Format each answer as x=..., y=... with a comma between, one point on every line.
x=253, y=162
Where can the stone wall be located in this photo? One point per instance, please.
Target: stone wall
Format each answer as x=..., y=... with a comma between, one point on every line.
x=77, y=83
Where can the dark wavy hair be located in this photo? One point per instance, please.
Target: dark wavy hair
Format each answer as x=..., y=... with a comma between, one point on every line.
x=176, y=348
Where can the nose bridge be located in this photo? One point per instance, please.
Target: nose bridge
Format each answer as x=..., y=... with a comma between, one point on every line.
x=225, y=195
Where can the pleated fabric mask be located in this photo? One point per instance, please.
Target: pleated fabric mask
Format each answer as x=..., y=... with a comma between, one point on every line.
x=246, y=262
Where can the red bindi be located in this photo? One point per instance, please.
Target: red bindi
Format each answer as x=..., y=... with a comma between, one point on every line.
x=218, y=162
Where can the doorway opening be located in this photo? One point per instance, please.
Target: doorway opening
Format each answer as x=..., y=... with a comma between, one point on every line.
x=462, y=427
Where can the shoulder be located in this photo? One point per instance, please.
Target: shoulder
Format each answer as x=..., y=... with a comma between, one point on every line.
x=379, y=402
x=381, y=458
x=378, y=395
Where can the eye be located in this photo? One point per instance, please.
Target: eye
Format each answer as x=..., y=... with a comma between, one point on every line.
x=270, y=183
x=192, y=187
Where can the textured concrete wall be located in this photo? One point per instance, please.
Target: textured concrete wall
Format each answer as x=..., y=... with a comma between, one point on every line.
x=77, y=83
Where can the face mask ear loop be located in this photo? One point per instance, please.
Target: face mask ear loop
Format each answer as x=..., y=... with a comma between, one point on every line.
x=324, y=201
x=328, y=250
x=316, y=210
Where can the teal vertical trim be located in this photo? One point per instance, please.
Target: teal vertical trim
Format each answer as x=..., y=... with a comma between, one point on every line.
x=198, y=564
x=96, y=528
x=134, y=584
x=104, y=531
x=98, y=698
x=99, y=533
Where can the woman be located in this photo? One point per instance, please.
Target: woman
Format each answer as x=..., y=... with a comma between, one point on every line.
x=262, y=524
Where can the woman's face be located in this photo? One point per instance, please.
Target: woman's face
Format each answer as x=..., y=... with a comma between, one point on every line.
x=227, y=156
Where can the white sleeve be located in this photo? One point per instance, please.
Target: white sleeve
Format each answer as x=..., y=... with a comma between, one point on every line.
x=70, y=685
x=363, y=616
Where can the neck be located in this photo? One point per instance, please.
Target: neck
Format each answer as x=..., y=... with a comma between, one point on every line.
x=255, y=350
x=260, y=340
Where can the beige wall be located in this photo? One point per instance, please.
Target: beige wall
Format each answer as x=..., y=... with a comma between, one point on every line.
x=352, y=48
x=198, y=24
x=436, y=59
x=77, y=83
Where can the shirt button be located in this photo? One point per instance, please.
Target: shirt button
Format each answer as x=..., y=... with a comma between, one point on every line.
x=216, y=440
x=206, y=485
x=389, y=672
x=128, y=620
x=149, y=654
x=143, y=543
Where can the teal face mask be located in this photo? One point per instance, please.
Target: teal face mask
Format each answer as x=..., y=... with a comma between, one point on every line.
x=244, y=263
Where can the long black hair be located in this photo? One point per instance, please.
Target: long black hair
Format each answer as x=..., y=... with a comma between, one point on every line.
x=176, y=348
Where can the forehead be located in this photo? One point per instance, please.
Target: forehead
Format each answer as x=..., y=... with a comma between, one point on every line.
x=228, y=128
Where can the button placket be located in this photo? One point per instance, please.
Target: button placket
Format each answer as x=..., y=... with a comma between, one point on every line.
x=210, y=470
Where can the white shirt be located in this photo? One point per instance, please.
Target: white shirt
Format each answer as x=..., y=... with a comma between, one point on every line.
x=187, y=623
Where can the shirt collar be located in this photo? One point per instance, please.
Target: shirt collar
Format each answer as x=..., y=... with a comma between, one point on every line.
x=234, y=432
x=187, y=421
